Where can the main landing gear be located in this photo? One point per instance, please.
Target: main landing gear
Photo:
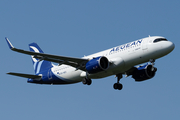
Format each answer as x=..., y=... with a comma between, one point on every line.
x=118, y=86
x=87, y=81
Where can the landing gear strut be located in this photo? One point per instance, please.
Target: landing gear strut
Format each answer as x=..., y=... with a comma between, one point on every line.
x=87, y=80
x=118, y=85
x=152, y=61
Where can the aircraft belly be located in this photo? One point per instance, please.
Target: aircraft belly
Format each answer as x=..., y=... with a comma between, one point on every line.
x=101, y=74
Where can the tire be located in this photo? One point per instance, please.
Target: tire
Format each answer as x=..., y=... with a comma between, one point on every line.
x=84, y=81
x=120, y=86
x=89, y=81
x=115, y=86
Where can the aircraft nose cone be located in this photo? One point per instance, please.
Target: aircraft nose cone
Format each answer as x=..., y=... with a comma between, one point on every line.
x=171, y=46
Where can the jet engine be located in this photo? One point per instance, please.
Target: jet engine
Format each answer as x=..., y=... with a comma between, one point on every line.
x=97, y=64
x=144, y=72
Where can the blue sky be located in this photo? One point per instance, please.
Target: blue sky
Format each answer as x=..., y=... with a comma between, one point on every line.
x=78, y=28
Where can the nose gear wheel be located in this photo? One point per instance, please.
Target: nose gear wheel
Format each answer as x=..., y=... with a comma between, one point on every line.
x=118, y=86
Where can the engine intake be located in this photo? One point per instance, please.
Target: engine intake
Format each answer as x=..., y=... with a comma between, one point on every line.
x=144, y=72
x=97, y=65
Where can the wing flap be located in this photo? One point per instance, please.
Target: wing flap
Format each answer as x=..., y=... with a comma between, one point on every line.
x=25, y=75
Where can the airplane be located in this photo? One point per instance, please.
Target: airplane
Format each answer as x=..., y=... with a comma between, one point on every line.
x=120, y=60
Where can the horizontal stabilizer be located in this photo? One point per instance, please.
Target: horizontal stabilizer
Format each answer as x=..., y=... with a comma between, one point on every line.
x=25, y=75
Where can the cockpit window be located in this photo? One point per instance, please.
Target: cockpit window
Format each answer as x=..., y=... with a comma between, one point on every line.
x=159, y=39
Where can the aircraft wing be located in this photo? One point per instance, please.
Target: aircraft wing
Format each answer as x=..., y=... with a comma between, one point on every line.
x=25, y=75
x=78, y=63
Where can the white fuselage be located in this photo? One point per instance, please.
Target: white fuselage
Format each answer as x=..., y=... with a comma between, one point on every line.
x=121, y=59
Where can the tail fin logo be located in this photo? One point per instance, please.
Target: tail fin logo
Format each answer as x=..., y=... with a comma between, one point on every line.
x=36, y=62
x=39, y=65
x=35, y=50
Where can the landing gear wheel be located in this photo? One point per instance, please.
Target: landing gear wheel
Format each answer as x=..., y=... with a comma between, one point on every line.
x=86, y=81
x=115, y=86
x=118, y=86
x=89, y=81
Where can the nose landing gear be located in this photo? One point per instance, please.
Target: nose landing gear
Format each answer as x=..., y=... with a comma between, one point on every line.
x=118, y=86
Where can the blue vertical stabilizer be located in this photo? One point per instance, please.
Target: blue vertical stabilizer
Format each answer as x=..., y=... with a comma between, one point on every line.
x=39, y=65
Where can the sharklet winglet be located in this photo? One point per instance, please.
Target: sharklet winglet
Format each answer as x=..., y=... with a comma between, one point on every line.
x=9, y=43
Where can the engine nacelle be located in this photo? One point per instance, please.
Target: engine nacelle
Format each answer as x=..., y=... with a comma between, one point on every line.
x=97, y=65
x=144, y=72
